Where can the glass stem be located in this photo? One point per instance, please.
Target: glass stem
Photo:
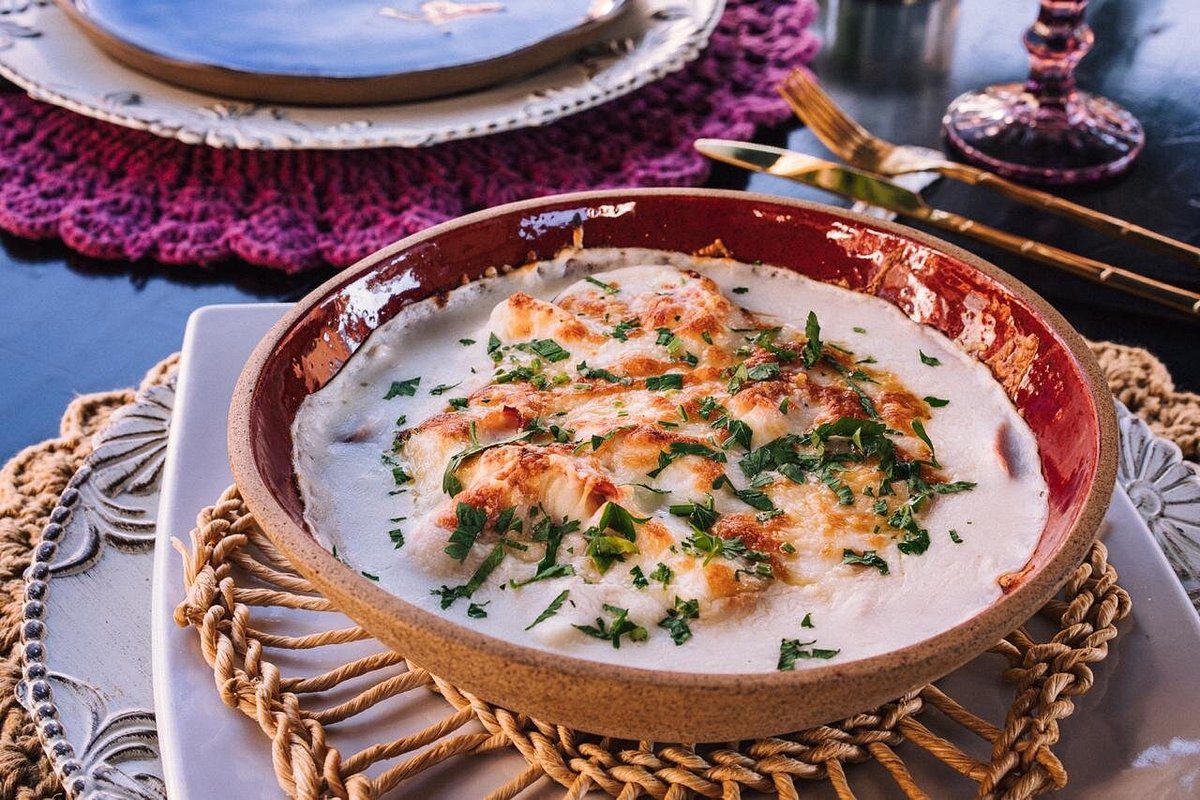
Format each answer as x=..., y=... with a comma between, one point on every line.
x=1056, y=43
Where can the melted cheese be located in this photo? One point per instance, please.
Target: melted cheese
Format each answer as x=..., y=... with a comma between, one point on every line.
x=542, y=400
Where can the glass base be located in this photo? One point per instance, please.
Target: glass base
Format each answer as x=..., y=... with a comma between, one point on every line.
x=1002, y=129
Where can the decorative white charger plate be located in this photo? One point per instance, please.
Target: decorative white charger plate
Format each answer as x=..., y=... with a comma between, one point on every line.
x=89, y=631
x=43, y=52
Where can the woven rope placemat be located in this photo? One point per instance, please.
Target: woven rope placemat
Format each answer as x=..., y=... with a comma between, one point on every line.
x=31, y=482
x=113, y=193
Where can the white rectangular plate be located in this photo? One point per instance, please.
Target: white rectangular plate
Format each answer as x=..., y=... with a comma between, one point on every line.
x=1135, y=734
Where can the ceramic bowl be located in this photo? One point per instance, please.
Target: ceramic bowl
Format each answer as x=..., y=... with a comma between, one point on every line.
x=1043, y=364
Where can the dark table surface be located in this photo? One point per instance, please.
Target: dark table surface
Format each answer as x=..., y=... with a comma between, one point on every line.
x=72, y=324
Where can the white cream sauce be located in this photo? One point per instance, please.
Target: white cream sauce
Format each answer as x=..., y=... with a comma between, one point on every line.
x=342, y=431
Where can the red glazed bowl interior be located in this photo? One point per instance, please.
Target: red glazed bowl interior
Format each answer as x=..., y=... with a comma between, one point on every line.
x=1042, y=363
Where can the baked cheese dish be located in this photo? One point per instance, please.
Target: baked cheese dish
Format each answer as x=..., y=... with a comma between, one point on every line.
x=673, y=462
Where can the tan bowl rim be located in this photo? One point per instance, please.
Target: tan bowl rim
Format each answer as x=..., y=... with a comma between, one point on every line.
x=359, y=597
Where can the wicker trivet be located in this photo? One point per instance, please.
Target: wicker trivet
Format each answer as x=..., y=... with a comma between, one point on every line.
x=32, y=481
x=233, y=573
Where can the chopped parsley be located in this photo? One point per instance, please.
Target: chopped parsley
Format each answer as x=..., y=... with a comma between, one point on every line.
x=675, y=622
x=929, y=361
x=857, y=329
x=661, y=382
x=936, y=402
x=663, y=574
x=442, y=388
x=458, y=403
x=792, y=650
x=709, y=405
x=595, y=373
x=466, y=342
x=755, y=499
x=406, y=388
x=551, y=609
x=807, y=621
x=710, y=546
x=493, y=347
x=639, y=578
x=812, y=347
x=919, y=430
x=552, y=533
x=605, y=548
x=370, y=577
x=471, y=521
x=622, y=329
x=678, y=449
x=700, y=514
x=954, y=537
x=867, y=558
x=477, y=610
x=449, y=594
x=548, y=349
x=740, y=289
x=763, y=372
x=607, y=287
x=621, y=625
x=397, y=537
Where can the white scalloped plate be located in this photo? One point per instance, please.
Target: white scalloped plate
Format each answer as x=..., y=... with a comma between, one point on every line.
x=45, y=54
x=88, y=676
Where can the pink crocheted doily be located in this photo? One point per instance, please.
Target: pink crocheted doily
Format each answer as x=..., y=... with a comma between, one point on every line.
x=115, y=193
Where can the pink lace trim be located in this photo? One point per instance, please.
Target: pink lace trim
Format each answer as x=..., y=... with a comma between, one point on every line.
x=114, y=193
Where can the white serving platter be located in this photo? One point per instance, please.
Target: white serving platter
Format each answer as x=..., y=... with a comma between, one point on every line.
x=43, y=52
x=1136, y=733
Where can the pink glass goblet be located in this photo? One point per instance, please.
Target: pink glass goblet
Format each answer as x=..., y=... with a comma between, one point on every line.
x=1045, y=130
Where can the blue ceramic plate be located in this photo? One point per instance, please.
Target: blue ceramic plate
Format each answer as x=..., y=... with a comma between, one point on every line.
x=340, y=51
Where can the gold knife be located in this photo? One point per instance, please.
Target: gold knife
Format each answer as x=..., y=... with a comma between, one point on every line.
x=859, y=185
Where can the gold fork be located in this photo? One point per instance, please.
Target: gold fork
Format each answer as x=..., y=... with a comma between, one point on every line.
x=858, y=146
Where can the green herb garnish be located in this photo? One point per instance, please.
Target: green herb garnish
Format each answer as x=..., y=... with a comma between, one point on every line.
x=397, y=537
x=477, y=610
x=620, y=626
x=406, y=388
x=700, y=514
x=551, y=609
x=595, y=373
x=812, y=347
x=639, y=578
x=548, y=349
x=929, y=361
x=607, y=287
x=661, y=382
x=605, y=548
x=867, y=558
x=675, y=622
x=936, y=402
x=621, y=330
x=663, y=574
x=471, y=522
x=792, y=650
